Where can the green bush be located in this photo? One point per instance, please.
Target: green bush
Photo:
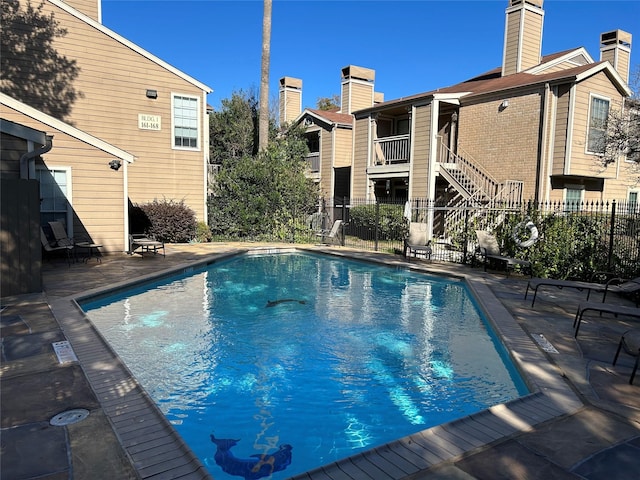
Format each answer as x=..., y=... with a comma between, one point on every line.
x=203, y=233
x=392, y=225
x=570, y=246
x=167, y=220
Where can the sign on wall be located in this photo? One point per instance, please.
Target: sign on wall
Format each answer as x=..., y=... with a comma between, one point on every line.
x=149, y=122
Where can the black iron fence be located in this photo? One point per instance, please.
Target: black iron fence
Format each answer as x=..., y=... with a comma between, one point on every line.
x=573, y=239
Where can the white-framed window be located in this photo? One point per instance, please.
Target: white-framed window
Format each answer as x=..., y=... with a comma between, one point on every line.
x=573, y=197
x=185, y=119
x=632, y=155
x=634, y=197
x=55, y=196
x=597, y=127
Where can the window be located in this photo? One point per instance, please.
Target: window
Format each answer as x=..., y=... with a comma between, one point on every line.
x=402, y=126
x=573, y=198
x=633, y=202
x=633, y=132
x=55, y=196
x=185, y=121
x=313, y=142
x=598, y=114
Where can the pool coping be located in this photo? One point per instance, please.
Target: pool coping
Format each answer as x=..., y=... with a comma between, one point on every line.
x=156, y=450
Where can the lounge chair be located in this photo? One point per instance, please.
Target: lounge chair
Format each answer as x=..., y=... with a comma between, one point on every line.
x=334, y=234
x=489, y=251
x=50, y=247
x=140, y=243
x=630, y=341
x=624, y=287
x=415, y=247
x=615, y=285
x=602, y=308
x=60, y=234
x=535, y=283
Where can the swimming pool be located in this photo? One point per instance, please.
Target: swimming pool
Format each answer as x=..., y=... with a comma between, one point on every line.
x=361, y=351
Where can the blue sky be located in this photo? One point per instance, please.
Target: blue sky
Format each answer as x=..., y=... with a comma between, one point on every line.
x=414, y=46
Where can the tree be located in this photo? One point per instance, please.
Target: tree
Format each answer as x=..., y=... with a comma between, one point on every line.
x=263, y=134
x=331, y=103
x=31, y=70
x=259, y=196
x=622, y=134
x=233, y=129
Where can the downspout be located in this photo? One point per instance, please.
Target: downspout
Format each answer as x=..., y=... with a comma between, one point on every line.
x=25, y=160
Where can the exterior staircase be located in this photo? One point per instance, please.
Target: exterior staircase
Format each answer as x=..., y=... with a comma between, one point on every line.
x=475, y=188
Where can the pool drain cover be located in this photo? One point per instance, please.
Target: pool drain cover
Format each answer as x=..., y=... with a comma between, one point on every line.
x=69, y=417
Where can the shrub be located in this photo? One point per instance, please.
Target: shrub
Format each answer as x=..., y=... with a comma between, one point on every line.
x=391, y=222
x=203, y=233
x=167, y=220
x=570, y=246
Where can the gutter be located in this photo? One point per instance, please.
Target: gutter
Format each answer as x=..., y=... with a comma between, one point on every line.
x=26, y=158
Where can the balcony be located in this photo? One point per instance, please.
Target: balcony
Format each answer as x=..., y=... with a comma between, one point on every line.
x=391, y=156
x=313, y=165
x=392, y=150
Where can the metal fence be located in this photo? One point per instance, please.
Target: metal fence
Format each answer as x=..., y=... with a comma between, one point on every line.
x=575, y=239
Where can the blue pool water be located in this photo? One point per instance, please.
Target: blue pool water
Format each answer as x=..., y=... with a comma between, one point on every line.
x=330, y=356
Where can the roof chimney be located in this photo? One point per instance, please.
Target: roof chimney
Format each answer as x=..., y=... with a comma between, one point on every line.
x=290, y=99
x=357, y=88
x=615, y=47
x=522, y=36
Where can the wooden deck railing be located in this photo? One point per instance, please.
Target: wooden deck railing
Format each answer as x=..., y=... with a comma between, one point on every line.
x=391, y=150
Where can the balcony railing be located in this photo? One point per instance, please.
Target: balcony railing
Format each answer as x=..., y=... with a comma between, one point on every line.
x=313, y=162
x=392, y=150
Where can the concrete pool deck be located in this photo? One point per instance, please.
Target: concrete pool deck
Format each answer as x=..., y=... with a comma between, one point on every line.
x=582, y=421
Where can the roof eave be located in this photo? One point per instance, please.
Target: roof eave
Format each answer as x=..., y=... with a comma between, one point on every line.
x=21, y=131
x=611, y=72
x=324, y=120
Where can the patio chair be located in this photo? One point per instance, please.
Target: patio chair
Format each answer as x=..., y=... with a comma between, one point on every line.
x=489, y=251
x=49, y=247
x=600, y=307
x=615, y=285
x=630, y=341
x=140, y=243
x=335, y=234
x=412, y=245
x=620, y=286
x=535, y=284
x=60, y=234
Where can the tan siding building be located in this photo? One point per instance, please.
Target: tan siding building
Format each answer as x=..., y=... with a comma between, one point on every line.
x=343, y=148
x=134, y=101
x=326, y=167
x=419, y=187
x=361, y=155
x=528, y=130
x=96, y=192
x=91, y=8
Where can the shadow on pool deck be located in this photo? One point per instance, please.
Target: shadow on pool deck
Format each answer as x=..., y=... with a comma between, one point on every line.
x=600, y=440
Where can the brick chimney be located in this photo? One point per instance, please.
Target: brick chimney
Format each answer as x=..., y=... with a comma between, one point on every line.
x=615, y=47
x=290, y=104
x=357, y=88
x=522, y=36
